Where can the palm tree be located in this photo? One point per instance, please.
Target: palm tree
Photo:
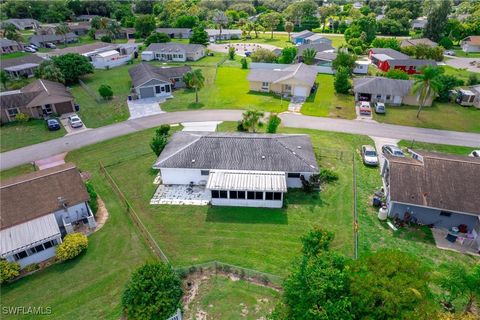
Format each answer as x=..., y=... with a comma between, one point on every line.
x=308, y=55
x=426, y=85
x=10, y=32
x=194, y=79
x=4, y=78
x=220, y=19
x=252, y=119
x=289, y=28
x=62, y=29
x=113, y=29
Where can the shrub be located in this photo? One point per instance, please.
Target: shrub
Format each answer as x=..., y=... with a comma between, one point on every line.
x=160, y=140
x=153, y=292
x=73, y=244
x=446, y=43
x=31, y=267
x=472, y=79
x=315, y=241
x=105, y=91
x=22, y=117
x=8, y=270
x=327, y=176
x=244, y=63
x=93, y=197
x=396, y=74
x=231, y=53
x=106, y=39
x=273, y=123
x=342, y=83
x=240, y=126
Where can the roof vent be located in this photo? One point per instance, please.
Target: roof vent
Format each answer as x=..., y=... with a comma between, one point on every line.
x=263, y=157
x=299, y=147
x=293, y=152
x=193, y=160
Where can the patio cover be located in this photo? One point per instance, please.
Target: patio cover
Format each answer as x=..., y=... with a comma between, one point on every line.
x=16, y=238
x=274, y=181
x=22, y=67
x=108, y=53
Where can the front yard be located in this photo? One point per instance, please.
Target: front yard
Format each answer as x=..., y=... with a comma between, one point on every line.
x=444, y=116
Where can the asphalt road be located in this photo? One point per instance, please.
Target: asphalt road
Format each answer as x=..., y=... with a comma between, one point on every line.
x=46, y=149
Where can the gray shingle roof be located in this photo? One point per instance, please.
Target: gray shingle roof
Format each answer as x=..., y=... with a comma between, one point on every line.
x=414, y=42
x=172, y=47
x=239, y=151
x=327, y=56
x=380, y=85
x=442, y=181
x=300, y=71
x=31, y=58
x=303, y=34
x=173, y=30
x=7, y=42
x=144, y=72
x=38, y=39
x=319, y=47
x=390, y=52
x=412, y=62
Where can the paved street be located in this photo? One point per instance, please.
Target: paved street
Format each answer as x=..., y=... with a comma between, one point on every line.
x=49, y=148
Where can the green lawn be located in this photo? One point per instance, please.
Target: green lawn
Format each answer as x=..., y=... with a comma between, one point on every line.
x=459, y=53
x=14, y=55
x=445, y=116
x=16, y=135
x=462, y=74
x=444, y=148
x=327, y=103
x=221, y=298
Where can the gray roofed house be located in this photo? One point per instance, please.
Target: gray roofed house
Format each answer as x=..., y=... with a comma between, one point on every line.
x=294, y=80
x=435, y=189
x=41, y=40
x=414, y=42
x=22, y=24
x=173, y=52
x=9, y=46
x=178, y=33
x=226, y=34
x=318, y=47
x=22, y=66
x=149, y=81
x=299, y=37
x=391, y=53
x=237, y=169
x=419, y=24
x=390, y=91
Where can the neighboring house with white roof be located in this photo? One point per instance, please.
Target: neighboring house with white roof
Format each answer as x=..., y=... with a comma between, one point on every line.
x=389, y=91
x=471, y=44
x=178, y=52
x=226, y=34
x=294, y=80
x=238, y=169
x=38, y=210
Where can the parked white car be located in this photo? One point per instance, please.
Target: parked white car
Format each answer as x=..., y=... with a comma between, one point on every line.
x=475, y=154
x=75, y=121
x=369, y=155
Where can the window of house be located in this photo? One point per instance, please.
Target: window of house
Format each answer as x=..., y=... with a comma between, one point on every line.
x=258, y=195
x=157, y=89
x=389, y=97
x=223, y=194
x=233, y=195
x=294, y=175
x=215, y=194
x=20, y=255
x=445, y=213
x=241, y=194
x=180, y=56
x=277, y=196
x=163, y=88
x=251, y=195
x=204, y=172
x=265, y=85
x=268, y=195
x=49, y=244
x=39, y=248
x=13, y=112
x=379, y=96
x=47, y=108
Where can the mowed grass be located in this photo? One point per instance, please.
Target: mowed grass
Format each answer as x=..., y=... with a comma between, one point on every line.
x=444, y=116
x=15, y=135
x=225, y=88
x=14, y=55
x=221, y=298
x=91, y=285
x=461, y=74
x=327, y=103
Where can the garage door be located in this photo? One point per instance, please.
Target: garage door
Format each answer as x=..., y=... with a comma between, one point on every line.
x=64, y=107
x=300, y=91
x=146, y=92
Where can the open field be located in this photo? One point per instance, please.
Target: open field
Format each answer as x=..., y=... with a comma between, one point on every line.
x=444, y=116
x=221, y=298
x=16, y=135
x=327, y=103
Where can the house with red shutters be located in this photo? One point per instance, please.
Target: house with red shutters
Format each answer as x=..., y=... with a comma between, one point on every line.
x=386, y=59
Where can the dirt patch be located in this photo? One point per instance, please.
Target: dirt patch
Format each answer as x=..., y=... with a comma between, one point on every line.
x=102, y=214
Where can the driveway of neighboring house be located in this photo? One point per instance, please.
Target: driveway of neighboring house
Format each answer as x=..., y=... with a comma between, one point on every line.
x=240, y=48
x=379, y=143
x=471, y=64
x=204, y=126
x=144, y=107
x=68, y=128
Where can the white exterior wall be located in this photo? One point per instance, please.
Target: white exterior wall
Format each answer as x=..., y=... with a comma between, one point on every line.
x=248, y=203
x=182, y=176
x=37, y=257
x=72, y=214
x=158, y=56
x=103, y=63
x=148, y=56
x=470, y=48
x=194, y=56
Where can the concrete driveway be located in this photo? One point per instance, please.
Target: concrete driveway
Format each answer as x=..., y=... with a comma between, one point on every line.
x=145, y=107
x=471, y=64
x=68, y=128
x=379, y=143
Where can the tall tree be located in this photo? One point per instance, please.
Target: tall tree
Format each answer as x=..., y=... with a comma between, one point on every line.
x=344, y=59
x=252, y=120
x=437, y=20
x=270, y=21
x=62, y=29
x=289, y=28
x=199, y=35
x=221, y=20
x=4, y=78
x=144, y=25
x=10, y=32
x=308, y=56
x=195, y=79
x=426, y=85
x=48, y=71
x=113, y=29
x=72, y=65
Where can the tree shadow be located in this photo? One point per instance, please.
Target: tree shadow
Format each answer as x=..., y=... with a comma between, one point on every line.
x=195, y=105
x=246, y=215
x=300, y=197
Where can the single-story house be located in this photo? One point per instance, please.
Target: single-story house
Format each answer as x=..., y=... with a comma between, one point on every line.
x=149, y=81
x=9, y=46
x=172, y=51
x=38, y=99
x=23, y=24
x=86, y=17
x=419, y=24
x=386, y=59
x=471, y=44
x=226, y=34
x=299, y=37
x=318, y=47
x=238, y=169
x=124, y=33
x=295, y=80
x=44, y=30
x=324, y=61
x=176, y=33
x=414, y=42
x=22, y=66
x=476, y=89
x=38, y=210
x=434, y=189
x=79, y=28
x=309, y=37
x=390, y=91
x=42, y=40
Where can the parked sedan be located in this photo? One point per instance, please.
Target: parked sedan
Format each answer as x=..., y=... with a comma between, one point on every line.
x=369, y=155
x=450, y=53
x=475, y=154
x=29, y=49
x=53, y=124
x=50, y=45
x=364, y=108
x=75, y=121
x=392, y=150
x=380, y=107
